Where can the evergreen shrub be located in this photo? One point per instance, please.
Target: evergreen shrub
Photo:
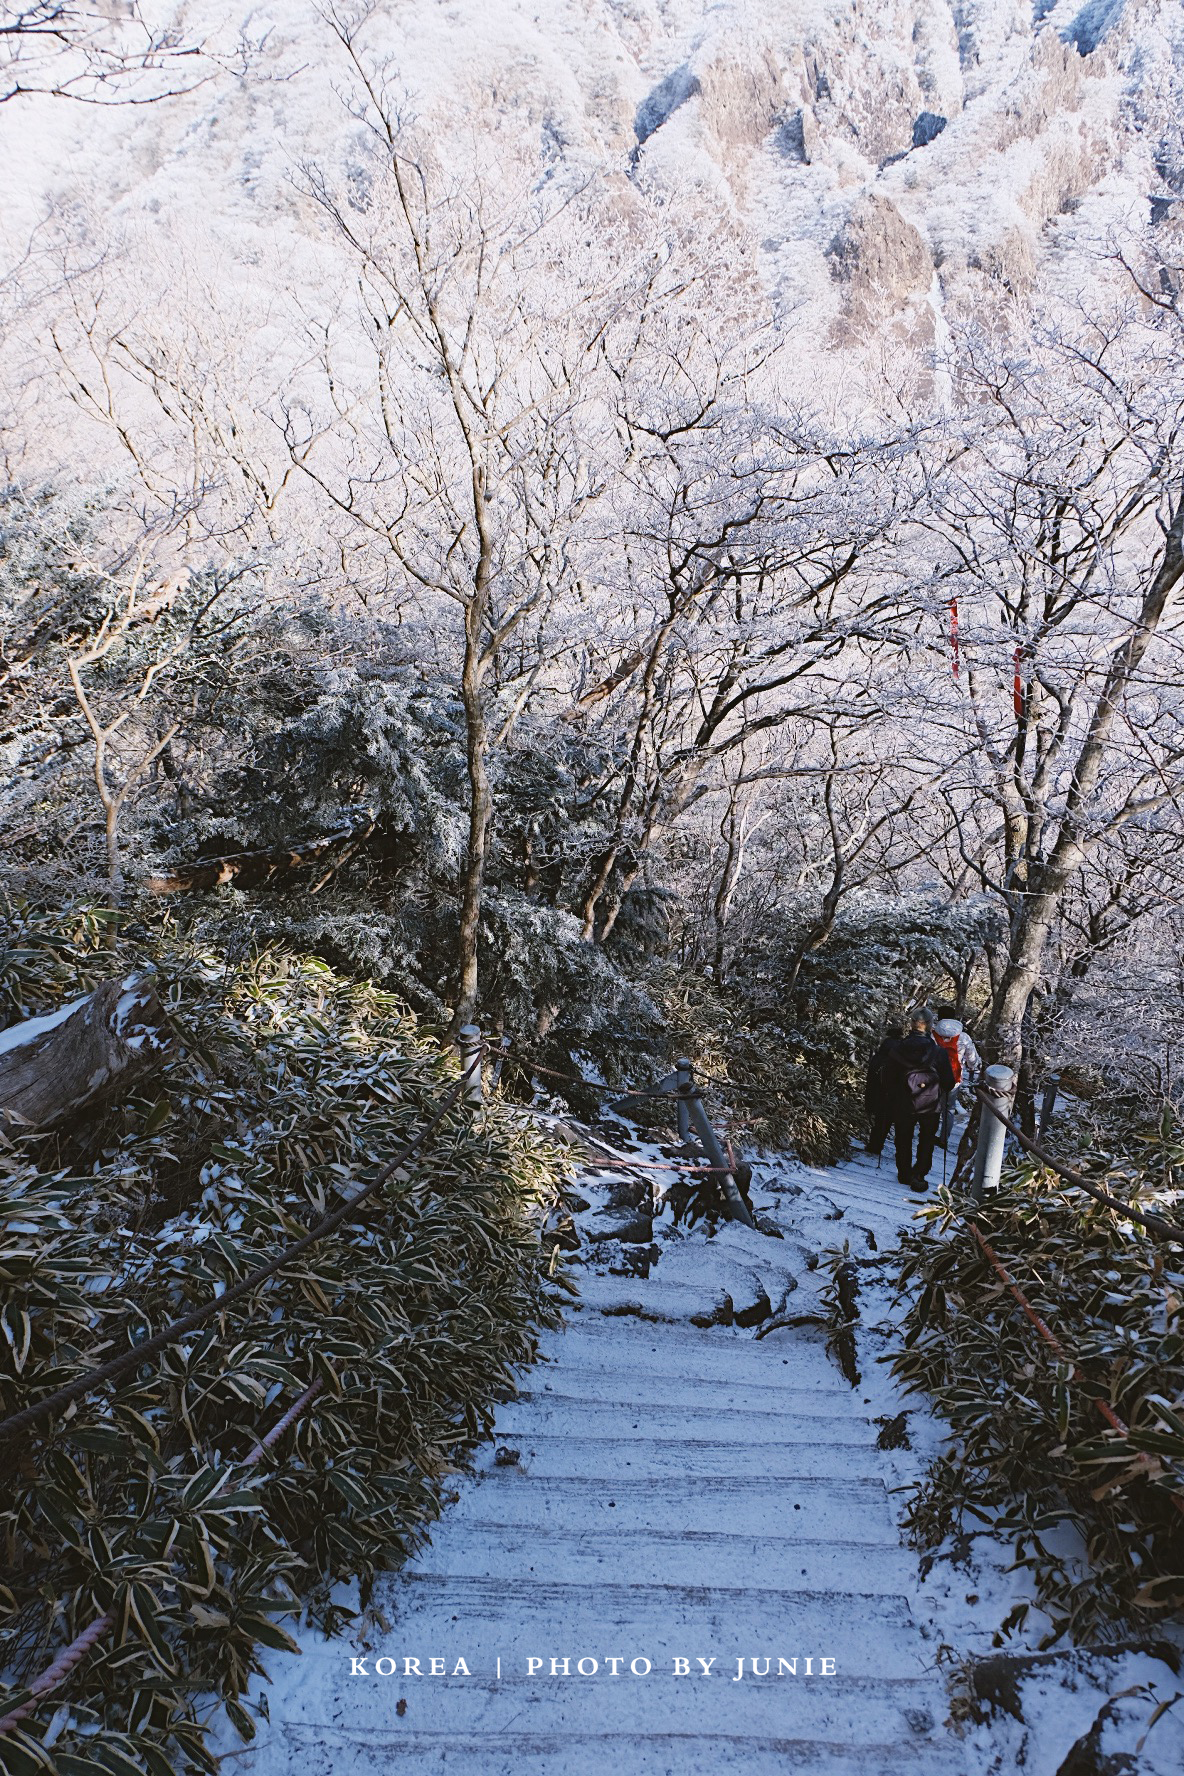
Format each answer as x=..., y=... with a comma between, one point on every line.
x=286, y=1089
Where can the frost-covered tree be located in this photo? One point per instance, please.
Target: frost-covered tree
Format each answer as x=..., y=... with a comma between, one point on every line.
x=116, y=667
x=132, y=54
x=1062, y=519
x=456, y=428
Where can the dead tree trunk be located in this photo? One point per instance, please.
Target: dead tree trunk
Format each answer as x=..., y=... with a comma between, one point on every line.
x=250, y=869
x=53, y=1065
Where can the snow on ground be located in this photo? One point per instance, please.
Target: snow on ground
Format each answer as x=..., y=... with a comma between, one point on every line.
x=18, y=1034
x=670, y=1487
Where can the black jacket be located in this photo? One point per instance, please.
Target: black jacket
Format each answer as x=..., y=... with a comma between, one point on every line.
x=909, y=1055
x=875, y=1094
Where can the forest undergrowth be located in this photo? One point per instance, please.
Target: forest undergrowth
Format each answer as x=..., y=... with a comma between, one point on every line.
x=285, y=1087
x=1095, y=1515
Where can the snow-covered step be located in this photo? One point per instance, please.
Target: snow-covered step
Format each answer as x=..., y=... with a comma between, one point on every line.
x=676, y=1492
x=576, y=1455
x=880, y=1191
x=755, y=1709
x=666, y=1556
x=606, y=1753
x=522, y=1618
x=847, y=1510
x=631, y=1389
x=686, y=1354
x=862, y=1203
x=671, y=1297
x=859, y=1216
x=808, y=1419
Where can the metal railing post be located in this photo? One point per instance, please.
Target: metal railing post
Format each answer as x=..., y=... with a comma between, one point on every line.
x=999, y=1086
x=690, y=1103
x=1048, y=1099
x=685, y=1085
x=468, y=1041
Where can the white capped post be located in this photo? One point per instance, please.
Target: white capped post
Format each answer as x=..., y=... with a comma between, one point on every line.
x=468, y=1041
x=999, y=1087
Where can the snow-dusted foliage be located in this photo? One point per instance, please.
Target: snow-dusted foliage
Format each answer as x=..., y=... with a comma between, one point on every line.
x=661, y=471
x=286, y=1090
x=1093, y=1517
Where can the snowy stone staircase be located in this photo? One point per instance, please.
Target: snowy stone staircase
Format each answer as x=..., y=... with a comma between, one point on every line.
x=663, y=1493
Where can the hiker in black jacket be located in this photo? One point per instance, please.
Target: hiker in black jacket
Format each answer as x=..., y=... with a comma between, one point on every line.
x=876, y=1099
x=917, y=1071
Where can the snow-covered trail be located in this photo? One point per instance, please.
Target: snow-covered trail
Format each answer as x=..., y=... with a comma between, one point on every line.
x=665, y=1491
x=680, y=1493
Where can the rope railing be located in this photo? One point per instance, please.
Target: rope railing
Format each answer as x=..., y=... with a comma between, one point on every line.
x=527, y=1062
x=1152, y=1222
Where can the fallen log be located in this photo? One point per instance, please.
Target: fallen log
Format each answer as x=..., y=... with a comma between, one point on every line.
x=248, y=869
x=51, y=1066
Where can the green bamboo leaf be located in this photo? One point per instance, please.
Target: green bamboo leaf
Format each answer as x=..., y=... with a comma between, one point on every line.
x=143, y=1611
x=269, y=1633
x=243, y=1725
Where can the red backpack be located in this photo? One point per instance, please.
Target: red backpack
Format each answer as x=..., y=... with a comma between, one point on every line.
x=950, y=1044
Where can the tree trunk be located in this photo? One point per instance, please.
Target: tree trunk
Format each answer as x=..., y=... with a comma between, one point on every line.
x=114, y=861
x=818, y=932
x=1048, y=883
x=732, y=833
x=628, y=788
x=480, y=809
x=54, y=1065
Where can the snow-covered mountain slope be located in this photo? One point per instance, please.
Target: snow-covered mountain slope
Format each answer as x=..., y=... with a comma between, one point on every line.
x=887, y=160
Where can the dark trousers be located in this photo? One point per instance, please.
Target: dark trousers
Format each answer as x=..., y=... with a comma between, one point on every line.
x=880, y=1127
x=948, y=1107
x=905, y=1123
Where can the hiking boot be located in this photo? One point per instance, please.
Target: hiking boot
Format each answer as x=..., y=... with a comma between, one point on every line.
x=918, y=1182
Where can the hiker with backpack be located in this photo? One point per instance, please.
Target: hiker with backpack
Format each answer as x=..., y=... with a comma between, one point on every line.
x=918, y=1071
x=949, y=1034
x=877, y=1098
